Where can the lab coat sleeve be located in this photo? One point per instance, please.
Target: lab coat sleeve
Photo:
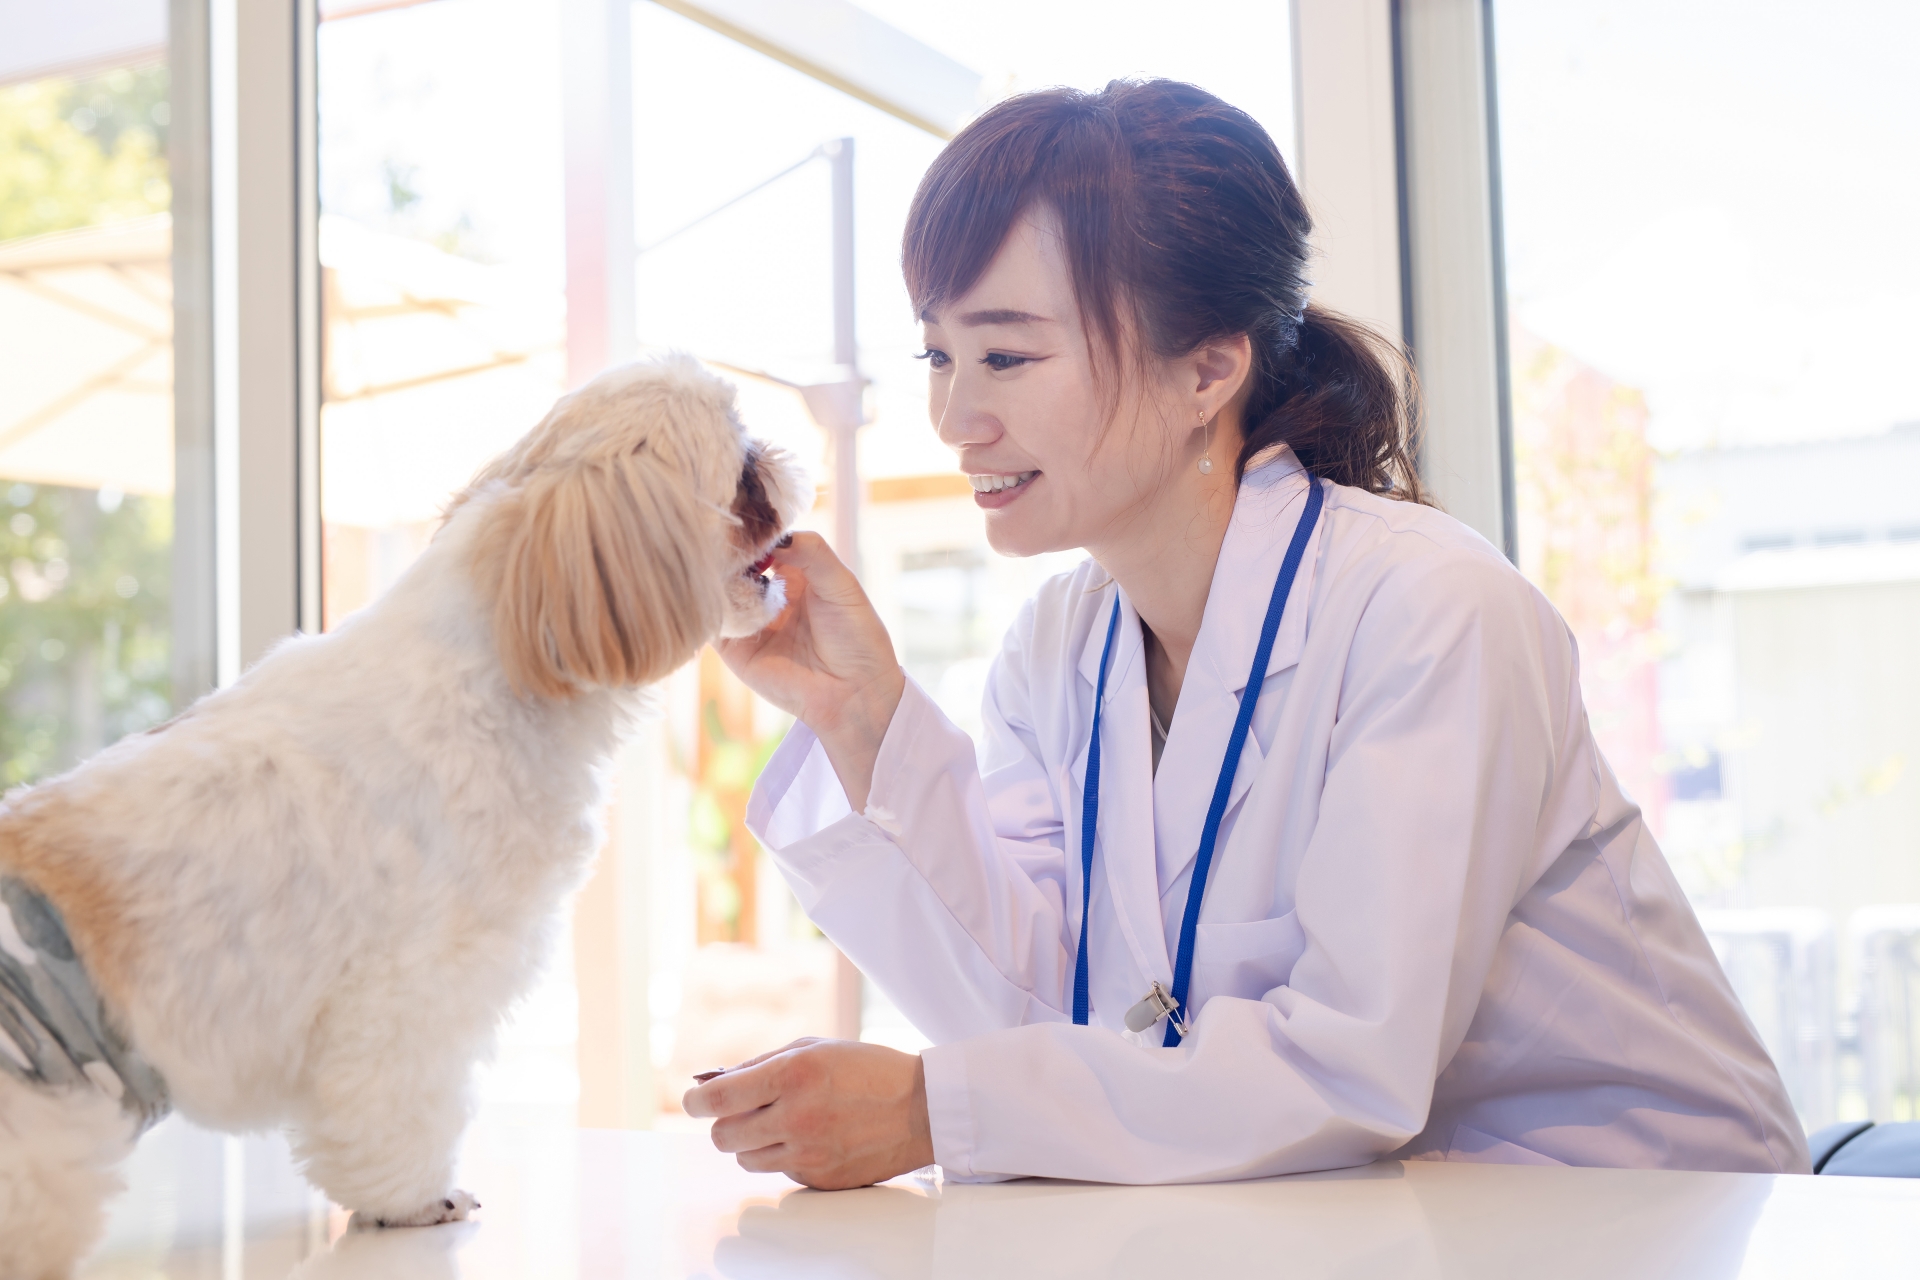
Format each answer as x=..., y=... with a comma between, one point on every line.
x=1456, y=707
x=960, y=869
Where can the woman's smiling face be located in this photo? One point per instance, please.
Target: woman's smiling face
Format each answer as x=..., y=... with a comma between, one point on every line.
x=1013, y=391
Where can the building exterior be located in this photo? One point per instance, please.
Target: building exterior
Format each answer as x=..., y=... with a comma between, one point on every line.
x=1747, y=620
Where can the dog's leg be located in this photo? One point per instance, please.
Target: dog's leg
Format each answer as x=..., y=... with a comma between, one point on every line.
x=59, y=1158
x=389, y=1101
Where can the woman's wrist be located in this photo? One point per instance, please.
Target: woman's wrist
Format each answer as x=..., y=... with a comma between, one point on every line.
x=919, y=1120
x=853, y=734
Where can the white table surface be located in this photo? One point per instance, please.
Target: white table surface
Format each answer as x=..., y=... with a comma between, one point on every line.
x=565, y=1203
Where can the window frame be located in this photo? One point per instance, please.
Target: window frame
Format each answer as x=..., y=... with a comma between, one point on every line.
x=1400, y=164
x=246, y=355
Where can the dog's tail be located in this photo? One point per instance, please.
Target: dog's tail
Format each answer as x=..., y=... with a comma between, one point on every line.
x=59, y=1163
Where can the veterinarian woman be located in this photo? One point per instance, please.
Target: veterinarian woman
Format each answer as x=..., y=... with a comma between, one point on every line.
x=1332, y=869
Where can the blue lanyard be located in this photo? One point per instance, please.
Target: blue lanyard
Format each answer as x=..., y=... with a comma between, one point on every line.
x=1203, y=861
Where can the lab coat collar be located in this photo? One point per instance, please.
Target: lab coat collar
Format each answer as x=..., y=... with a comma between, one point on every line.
x=1172, y=804
x=1126, y=849
x=1264, y=512
x=1270, y=502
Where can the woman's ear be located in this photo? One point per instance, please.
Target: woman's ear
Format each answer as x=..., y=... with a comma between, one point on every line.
x=609, y=576
x=1220, y=368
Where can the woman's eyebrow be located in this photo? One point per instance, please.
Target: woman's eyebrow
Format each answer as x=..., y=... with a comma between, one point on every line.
x=974, y=319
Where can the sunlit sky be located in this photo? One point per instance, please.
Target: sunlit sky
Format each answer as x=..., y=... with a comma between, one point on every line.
x=1710, y=201
x=1716, y=201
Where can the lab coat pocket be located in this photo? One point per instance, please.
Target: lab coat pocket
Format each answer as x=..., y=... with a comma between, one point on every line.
x=1246, y=959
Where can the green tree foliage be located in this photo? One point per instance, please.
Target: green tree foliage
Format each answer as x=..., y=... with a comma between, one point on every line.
x=78, y=153
x=724, y=849
x=84, y=575
x=83, y=623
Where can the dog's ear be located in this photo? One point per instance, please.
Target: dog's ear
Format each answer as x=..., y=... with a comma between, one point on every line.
x=609, y=575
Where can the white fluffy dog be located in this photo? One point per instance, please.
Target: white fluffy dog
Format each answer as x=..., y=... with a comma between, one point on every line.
x=308, y=901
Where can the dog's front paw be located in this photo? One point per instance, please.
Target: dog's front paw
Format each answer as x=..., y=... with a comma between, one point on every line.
x=453, y=1207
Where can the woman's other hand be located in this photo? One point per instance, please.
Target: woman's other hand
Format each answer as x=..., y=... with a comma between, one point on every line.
x=826, y=660
x=830, y=1114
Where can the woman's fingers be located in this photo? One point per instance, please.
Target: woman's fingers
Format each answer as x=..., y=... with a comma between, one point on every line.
x=810, y=555
x=757, y=1059
x=773, y=1159
x=742, y=1089
x=826, y=649
x=750, y=1130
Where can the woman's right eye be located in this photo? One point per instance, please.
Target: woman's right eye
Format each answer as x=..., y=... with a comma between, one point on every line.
x=935, y=357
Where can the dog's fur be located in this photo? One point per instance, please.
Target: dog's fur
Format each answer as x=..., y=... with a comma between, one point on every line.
x=309, y=900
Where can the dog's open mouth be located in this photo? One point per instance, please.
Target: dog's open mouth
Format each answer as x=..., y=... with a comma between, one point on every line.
x=759, y=519
x=757, y=571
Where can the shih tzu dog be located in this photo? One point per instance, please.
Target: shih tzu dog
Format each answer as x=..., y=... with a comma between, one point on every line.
x=308, y=900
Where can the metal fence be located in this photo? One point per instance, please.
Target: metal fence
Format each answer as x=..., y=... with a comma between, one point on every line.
x=1845, y=1038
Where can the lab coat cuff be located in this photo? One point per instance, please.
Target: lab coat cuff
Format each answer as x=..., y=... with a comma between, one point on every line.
x=949, y=1110
x=799, y=810
x=797, y=794
x=921, y=745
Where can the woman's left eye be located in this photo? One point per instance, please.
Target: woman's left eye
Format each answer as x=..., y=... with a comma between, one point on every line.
x=1000, y=363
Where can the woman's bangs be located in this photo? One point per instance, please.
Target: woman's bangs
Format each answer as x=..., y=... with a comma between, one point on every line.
x=961, y=215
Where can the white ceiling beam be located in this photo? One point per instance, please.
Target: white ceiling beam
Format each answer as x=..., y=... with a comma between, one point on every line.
x=848, y=48
x=73, y=37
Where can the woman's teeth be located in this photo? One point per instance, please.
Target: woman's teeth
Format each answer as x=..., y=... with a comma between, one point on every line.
x=994, y=484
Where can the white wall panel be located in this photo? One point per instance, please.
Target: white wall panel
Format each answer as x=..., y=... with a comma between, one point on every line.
x=1343, y=88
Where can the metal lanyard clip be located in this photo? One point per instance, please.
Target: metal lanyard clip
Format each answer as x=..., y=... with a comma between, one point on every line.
x=1157, y=1005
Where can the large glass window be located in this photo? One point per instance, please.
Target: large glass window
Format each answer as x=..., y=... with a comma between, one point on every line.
x=105, y=625
x=1715, y=298
x=86, y=414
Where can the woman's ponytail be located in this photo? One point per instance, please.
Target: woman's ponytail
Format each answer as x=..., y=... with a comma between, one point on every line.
x=1345, y=398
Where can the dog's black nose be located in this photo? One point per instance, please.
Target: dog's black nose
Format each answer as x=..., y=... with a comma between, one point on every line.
x=786, y=540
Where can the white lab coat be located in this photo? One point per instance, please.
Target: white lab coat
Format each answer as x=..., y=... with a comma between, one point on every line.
x=1434, y=926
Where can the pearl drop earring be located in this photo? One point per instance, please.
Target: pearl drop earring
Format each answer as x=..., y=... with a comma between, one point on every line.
x=1206, y=462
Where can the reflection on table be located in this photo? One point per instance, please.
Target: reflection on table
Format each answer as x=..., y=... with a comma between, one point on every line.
x=585, y=1203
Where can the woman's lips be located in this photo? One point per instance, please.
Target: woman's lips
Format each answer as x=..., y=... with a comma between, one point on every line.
x=993, y=499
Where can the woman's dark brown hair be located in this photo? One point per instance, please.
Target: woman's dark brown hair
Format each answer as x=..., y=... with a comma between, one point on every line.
x=1181, y=225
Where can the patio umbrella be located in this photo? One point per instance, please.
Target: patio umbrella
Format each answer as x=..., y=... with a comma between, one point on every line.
x=86, y=318
x=432, y=364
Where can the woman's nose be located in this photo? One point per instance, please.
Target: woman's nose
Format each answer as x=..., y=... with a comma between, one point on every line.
x=959, y=416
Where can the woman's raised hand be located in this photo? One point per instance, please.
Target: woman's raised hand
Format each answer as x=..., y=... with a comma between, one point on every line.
x=826, y=660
